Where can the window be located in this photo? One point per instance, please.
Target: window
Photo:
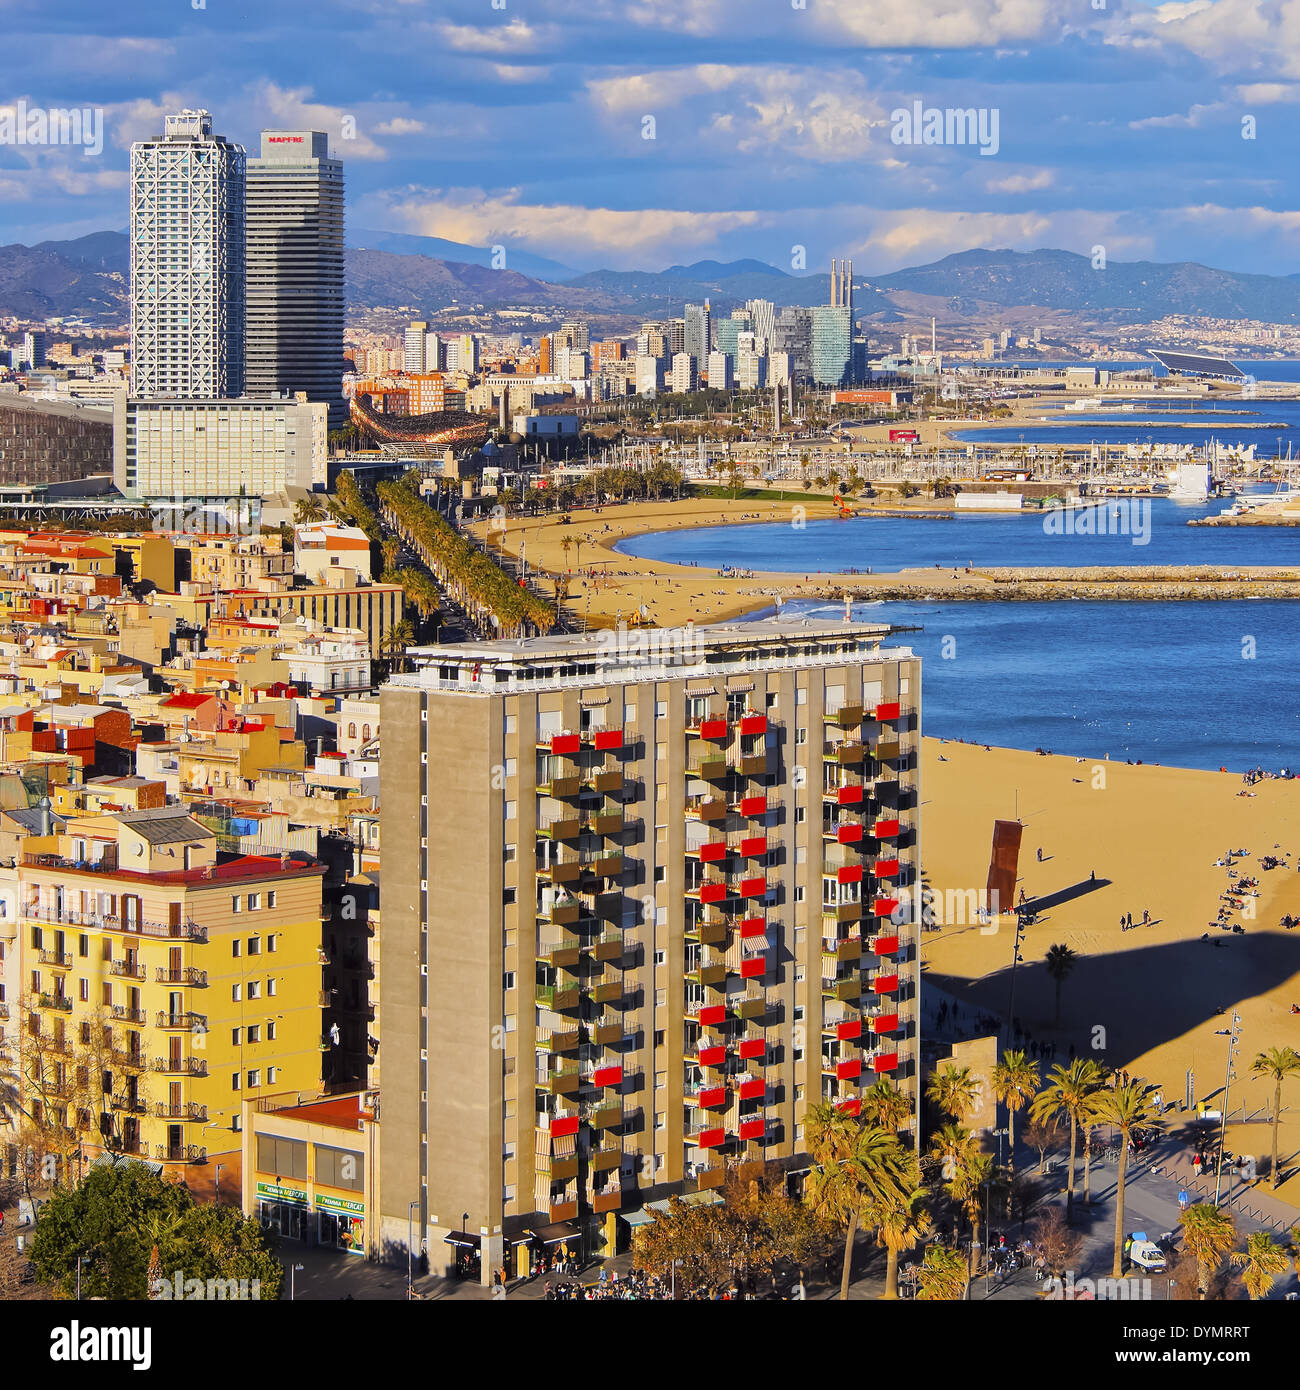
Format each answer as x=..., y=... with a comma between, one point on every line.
x=661, y=957
x=799, y=893
x=661, y=998
x=234, y=1081
x=508, y=980
x=800, y=736
x=510, y=810
x=800, y=815
x=235, y=1034
x=270, y=1031
x=661, y=709
x=340, y=1168
x=254, y=989
x=83, y=946
x=236, y=946
x=286, y=1158
x=512, y=769
x=254, y=1032
x=84, y=990
x=254, y=901
x=659, y=1037
x=236, y=904
x=254, y=945
x=272, y=1074
x=254, y=1078
x=508, y=854
x=661, y=873
x=270, y=898
x=801, y=697
x=271, y=985
x=510, y=723
x=271, y=937
x=508, y=896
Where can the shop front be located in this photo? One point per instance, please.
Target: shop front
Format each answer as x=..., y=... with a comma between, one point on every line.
x=283, y=1210
x=341, y=1223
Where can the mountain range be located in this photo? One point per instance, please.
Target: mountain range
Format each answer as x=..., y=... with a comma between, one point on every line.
x=392, y=277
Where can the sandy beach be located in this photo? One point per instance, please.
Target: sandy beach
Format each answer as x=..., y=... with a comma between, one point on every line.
x=1154, y=997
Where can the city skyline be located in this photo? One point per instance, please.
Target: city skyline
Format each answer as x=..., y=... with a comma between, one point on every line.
x=785, y=138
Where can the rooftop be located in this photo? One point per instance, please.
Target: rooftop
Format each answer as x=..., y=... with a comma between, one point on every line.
x=338, y=1112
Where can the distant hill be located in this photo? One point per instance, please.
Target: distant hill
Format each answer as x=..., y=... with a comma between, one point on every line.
x=86, y=278
x=406, y=244
x=1138, y=290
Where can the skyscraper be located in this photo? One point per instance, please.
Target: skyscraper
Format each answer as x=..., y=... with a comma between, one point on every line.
x=295, y=270
x=698, y=331
x=187, y=262
x=729, y=331
x=792, y=334
x=832, y=335
x=762, y=314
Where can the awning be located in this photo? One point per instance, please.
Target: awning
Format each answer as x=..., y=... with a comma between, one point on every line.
x=465, y=1238
x=555, y=1232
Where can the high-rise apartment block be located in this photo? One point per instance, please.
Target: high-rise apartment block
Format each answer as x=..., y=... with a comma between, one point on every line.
x=684, y=375
x=698, y=334
x=643, y=906
x=187, y=263
x=295, y=270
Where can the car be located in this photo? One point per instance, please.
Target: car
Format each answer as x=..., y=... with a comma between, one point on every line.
x=1145, y=1253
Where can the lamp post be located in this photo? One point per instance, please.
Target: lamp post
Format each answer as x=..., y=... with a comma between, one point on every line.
x=410, y=1244
x=218, y=1169
x=1234, y=1041
x=293, y=1270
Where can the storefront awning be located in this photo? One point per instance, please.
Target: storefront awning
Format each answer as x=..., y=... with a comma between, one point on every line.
x=465, y=1238
x=555, y=1232
x=706, y=1198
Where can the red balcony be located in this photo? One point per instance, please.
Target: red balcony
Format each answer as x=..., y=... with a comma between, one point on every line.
x=753, y=1129
x=849, y=873
x=886, y=868
x=850, y=1029
x=884, y=907
x=562, y=1125
x=607, y=1076
x=753, y=968
x=711, y=1138
x=848, y=834
x=712, y=1056
x=885, y=984
x=713, y=728
x=850, y=1107
x=566, y=745
x=848, y=796
x=884, y=945
x=564, y=1211
x=887, y=1061
x=753, y=1090
x=749, y=1048
x=753, y=887
x=712, y=852
x=609, y=738
x=753, y=806
x=751, y=927
x=884, y=1023
x=753, y=724
x=890, y=710
x=846, y=1071
x=607, y=1201
x=712, y=1014
x=886, y=829
x=712, y=892
x=709, y=1096
x=753, y=844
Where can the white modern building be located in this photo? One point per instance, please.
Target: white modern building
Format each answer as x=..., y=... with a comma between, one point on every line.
x=649, y=374
x=221, y=449
x=187, y=263
x=294, y=266
x=684, y=376
x=720, y=378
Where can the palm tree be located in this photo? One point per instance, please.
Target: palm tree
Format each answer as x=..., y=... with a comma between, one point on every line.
x=396, y=640
x=885, y=1105
x=900, y=1226
x=1088, y=1121
x=943, y=1276
x=566, y=545
x=1277, y=1063
x=1067, y=1093
x=855, y=1167
x=1127, y=1107
x=955, y=1091
x=965, y=1169
x=1208, y=1234
x=308, y=509
x=1015, y=1083
x=1261, y=1261
x=1060, y=962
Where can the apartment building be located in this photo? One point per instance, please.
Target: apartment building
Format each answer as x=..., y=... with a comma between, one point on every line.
x=163, y=985
x=641, y=908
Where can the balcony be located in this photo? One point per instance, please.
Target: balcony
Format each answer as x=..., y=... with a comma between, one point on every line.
x=603, y=863
x=753, y=806
x=888, y=751
x=842, y=988
x=884, y=1023
x=754, y=968
x=712, y=973
x=752, y=764
x=562, y=1169
x=708, y=892
x=607, y=823
x=885, y=984
x=841, y=912
x=887, y=868
x=560, y=998
x=127, y=1059
x=707, y=1015
x=846, y=716
x=186, y=1022
x=606, y=1156
x=604, y=1117
x=751, y=927
x=180, y=1066
x=753, y=888
x=562, y=914
x=561, y=745
x=843, y=832
x=607, y=1031
x=561, y=1040
x=562, y=1080
x=848, y=794
x=127, y=970
x=566, y=955
x=884, y=907
x=609, y=945
x=752, y=1049
x=607, y=739
x=607, y=1201
x=710, y=852
x=886, y=829
x=606, y=1076
x=127, y=1104
x=845, y=754
x=709, y=1137
x=843, y=948
x=710, y=929
x=706, y=808
x=711, y=1054
x=606, y=989
x=749, y=1006
x=561, y=870
x=709, y=728
x=753, y=1129
x=706, y=1097
x=752, y=1088
x=188, y=975
x=561, y=828
x=711, y=767
x=882, y=1062
x=188, y=1112
x=180, y=1153
x=564, y=1211
x=561, y=788
x=61, y=1002
x=58, y=960
x=884, y=945
x=891, y=709
x=605, y=781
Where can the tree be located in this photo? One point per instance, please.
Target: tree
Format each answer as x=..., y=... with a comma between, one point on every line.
x=943, y=1275
x=1278, y=1063
x=1261, y=1262
x=1042, y=1133
x=1060, y=962
x=856, y=1168
x=116, y=1218
x=1015, y=1083
x=955, y=1091
x=1127, y=1107
x=1067, y=1093
x=308, y=509
x=396, y=640
x=1055, y=1241
x=1208, y=1234
x=885, y=1105
x=900, y=1225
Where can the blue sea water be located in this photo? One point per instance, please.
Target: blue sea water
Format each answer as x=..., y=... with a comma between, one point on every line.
x=1203, y=685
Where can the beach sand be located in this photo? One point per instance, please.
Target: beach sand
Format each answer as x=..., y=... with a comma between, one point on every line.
x=1154, y=997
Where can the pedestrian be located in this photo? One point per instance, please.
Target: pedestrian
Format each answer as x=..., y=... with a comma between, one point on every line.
x=1040, y=854
x=1092, y=877
x=1146, y=918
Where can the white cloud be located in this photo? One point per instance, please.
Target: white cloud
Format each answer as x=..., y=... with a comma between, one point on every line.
x=1230, y=35
x=294, y=111
x=1192, y=119
x=399, y=125
x=1023, y=183
x=937, y=23
x=502, y=38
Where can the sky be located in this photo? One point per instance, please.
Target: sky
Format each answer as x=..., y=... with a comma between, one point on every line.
x=637, y=134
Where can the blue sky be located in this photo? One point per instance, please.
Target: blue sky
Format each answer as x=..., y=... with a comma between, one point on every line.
x=1120, y=125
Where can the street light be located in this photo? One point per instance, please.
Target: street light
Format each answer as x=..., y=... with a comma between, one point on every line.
x=219, y=1167
x=293, y=1270
x=1234, y=1041
x=410, y=1243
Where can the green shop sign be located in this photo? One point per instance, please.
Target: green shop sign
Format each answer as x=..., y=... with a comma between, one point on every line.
x=327, y=1203
x=282, y=1194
